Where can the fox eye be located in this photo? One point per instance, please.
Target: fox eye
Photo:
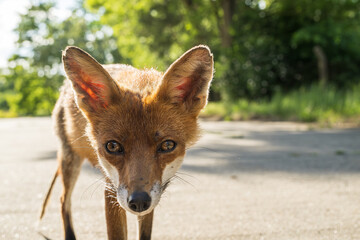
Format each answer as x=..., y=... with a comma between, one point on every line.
x=113, y=147
x=167, y=146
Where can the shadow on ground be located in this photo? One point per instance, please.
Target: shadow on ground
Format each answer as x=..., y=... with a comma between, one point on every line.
x=310, y=152
x=281, y=151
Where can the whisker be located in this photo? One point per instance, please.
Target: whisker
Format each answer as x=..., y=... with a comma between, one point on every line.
x=187, y=174
x=111, y=196
x=91, y=185
x=110, y=190
x=165, y=185
x=184, y=181
x=84, y=147
x=115, y=204
x=96, y=189
x=84, y=135
x=206, y=148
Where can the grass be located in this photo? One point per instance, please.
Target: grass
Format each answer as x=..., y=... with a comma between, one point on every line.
x=7, y=114
x=324, y=105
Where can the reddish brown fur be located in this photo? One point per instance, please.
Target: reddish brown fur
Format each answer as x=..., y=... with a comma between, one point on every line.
x=139, y=109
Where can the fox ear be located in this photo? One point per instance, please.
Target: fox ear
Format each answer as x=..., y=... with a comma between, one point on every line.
x=94, y=87
x=187, y=80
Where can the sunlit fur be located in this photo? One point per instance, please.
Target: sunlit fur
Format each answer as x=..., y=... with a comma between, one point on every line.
x=137, y=108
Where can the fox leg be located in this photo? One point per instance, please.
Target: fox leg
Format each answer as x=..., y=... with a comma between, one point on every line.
x=115, y=217
x=70, y=166
x=145, y=226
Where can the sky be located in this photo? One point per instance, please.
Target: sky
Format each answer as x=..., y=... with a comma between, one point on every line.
x=9, y=18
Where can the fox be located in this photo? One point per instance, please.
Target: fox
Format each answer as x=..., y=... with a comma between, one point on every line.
x=134, y=125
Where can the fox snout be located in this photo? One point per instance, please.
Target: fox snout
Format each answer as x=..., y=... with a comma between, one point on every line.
x=139, y=201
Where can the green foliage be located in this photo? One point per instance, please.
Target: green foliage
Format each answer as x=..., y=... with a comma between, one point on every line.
x=310, y=104
x=29, y=94
x=264, y=50
x=273, y=47
x=30, y=84
x=156, y=32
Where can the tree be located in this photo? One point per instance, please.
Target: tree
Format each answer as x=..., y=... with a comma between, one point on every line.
x=260, y=46
x=31, y=82
x=156, y=32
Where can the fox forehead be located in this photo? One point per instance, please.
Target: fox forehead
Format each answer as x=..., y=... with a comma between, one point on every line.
x=133, y=120
x=144, y=81
x=136, y=116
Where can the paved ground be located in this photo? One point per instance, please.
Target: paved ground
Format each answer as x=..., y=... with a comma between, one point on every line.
x=246, y=180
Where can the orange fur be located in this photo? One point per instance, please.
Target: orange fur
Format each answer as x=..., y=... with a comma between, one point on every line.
x=139, y=109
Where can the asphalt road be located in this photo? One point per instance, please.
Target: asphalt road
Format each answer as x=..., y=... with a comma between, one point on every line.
x=243, y=180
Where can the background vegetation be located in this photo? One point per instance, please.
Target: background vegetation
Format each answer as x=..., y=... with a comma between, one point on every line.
x=297, y=60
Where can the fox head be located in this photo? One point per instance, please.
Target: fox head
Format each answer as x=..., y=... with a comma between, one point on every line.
x=141, y=122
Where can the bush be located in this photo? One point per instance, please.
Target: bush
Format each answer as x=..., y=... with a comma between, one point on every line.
x=309, y=104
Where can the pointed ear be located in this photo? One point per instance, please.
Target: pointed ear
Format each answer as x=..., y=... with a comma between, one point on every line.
x=93, y=86
x=186, y=82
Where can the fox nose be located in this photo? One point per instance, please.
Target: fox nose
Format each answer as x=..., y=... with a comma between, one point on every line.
x=139, y=201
